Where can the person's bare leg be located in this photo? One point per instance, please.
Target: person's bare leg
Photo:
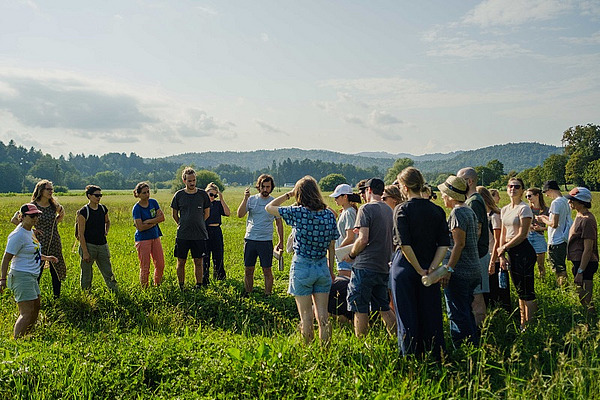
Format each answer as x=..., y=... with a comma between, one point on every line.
x=541, y=262
x=389, y=319
x=479, y=308
x=268, y=273
x=530, y=310
x=585, y=294
x=249, y=278
x=198, y=270
x=304, y=304
x=561, y=278
x=28, y=314
x=361, y=324
x=181, y=271
x=320, y=301
x=523, y=313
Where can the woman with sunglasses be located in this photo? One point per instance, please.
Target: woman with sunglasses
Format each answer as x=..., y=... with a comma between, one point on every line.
x=536, y=233
x=23, y=253
x=47, y=231
x=146, y=217
x=215, y=244
x=515, y=251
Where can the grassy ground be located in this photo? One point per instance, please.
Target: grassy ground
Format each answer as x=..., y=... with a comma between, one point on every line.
x=215, y=343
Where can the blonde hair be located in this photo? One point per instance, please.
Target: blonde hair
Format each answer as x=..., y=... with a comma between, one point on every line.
x=308, y=194
x=212, y=186
x=412, y=178
x=488, y=199
x=394, y=192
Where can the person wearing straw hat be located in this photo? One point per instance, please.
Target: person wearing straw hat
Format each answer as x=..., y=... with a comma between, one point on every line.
x=582, y=249
x=463, y=261
x=23, y=253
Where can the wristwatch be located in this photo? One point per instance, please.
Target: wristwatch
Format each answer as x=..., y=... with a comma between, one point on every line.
x=580, y=271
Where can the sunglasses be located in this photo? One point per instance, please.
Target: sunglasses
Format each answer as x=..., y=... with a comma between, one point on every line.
x=213, y=195
x=97, y=195
x=514, y=186
x=529, y=196
x=49, y=189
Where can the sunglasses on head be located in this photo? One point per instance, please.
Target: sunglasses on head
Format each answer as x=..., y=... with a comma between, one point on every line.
x=515, y=186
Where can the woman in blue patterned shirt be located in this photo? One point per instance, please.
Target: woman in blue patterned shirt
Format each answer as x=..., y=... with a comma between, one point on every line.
x=311, y=272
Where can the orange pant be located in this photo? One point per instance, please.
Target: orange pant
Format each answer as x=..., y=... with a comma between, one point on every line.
x=145, y=249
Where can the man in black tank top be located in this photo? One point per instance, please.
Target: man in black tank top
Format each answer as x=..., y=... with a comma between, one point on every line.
x=92, y=226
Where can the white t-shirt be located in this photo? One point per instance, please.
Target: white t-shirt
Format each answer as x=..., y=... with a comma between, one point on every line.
x=511, y=218
x=496, y=224
x=26, y=249
x=560, y=234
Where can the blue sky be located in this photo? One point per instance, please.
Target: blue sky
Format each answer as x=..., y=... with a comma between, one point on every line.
x=166, y=77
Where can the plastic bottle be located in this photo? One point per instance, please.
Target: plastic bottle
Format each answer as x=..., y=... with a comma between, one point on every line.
x=436, y=275
x=503, y=279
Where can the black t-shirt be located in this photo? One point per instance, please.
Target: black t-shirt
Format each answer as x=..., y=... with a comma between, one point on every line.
x=420, y=224
x=95, y=228
x=216, y=210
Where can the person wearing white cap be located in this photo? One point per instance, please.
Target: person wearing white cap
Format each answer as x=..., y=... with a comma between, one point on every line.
x=23, y=253
x=582, y=248
x=345, y=198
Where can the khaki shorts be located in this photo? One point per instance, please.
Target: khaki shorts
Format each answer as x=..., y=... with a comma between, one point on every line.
x=24, y=285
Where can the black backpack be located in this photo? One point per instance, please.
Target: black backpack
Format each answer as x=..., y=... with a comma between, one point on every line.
x=87, y=212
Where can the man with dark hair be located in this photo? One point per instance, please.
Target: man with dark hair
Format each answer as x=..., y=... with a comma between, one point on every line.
x=559, y=222
x=92, y=228
x=191, y=207
x=477, y=204
x=258, y=241
x=368, y=287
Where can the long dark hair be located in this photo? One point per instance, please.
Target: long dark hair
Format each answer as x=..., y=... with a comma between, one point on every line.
x=537, y=192
x=308, y=194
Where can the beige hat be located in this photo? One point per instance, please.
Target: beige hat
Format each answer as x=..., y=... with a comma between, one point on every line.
x=454, y=187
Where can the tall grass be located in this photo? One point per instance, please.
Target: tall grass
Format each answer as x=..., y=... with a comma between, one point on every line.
x=215, y=343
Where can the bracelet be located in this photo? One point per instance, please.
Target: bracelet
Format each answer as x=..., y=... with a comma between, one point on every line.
x=351, y=257
x=287, y=196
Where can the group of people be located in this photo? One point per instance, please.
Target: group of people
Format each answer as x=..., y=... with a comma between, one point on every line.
x=393, y=254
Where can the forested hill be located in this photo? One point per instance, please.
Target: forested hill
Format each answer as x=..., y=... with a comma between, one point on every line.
x=514, y=156
x=261, y=159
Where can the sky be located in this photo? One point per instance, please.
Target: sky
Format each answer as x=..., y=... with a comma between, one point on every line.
x=159, y=78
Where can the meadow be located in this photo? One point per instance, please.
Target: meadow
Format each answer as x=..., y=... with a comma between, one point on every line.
x=161, y=342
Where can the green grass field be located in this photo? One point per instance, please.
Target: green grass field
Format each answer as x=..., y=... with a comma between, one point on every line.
x=215, y=343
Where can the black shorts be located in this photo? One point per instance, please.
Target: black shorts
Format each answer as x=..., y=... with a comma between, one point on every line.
x=258, y=248
x=183, y=246
x=590, y=270
x=337, y=297
x=522, y=260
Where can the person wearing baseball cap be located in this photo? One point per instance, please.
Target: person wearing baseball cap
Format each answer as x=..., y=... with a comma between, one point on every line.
x=23, y=253
x=559, y=222
x=582, y=248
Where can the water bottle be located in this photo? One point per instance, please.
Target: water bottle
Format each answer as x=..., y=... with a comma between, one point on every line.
x=503, y=279
x=436, y=275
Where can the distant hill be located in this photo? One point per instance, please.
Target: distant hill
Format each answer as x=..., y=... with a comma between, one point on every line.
x=260, y=159
x=514, y=156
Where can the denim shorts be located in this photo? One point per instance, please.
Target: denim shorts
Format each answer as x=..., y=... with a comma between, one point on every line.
x=368, y=291
x=344, y=266
x=538, y=242
x=24, y=285
x=308, y=276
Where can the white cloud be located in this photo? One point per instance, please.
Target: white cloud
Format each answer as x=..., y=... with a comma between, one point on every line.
x=383, y=119
x=267, y=128
x=264, y=37
x=590, y=8
x=473, y=49
x=207, y=10
x=197, y=123
x=515, y=12
x=593, y=39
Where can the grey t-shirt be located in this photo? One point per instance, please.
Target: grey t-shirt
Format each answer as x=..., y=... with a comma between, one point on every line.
x=259, y=225
x=345, y=222
x=465, y=219
x=476, y=203
x=191, y=214
x=378, y=217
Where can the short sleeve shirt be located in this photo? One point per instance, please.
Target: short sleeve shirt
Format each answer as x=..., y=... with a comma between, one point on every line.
x=511, y=218
x=26, y=249
x=314, y=230
x=495, y=224
x=560, y=234
x=476, y=203
x=144, y=213
x=216, y=211
x=464, y=218
x=345, y=222
x=584, y=227
x=377, y=216
x=259, y=225
x=191, y=208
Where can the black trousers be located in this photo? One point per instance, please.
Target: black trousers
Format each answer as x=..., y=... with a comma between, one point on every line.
x=215, y=247
x=55, y=281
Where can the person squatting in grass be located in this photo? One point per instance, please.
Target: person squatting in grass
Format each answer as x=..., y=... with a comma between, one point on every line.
x=421, y=238
x=47, y=231
x=23, y=253
x=463, y=260
x=516, y=219
x=368, y=287
x=311, y=271
x=93, y=225
x=583, y=245
x=146, y=217
x=216, y=247
x=258, y=241
x=191, y=208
